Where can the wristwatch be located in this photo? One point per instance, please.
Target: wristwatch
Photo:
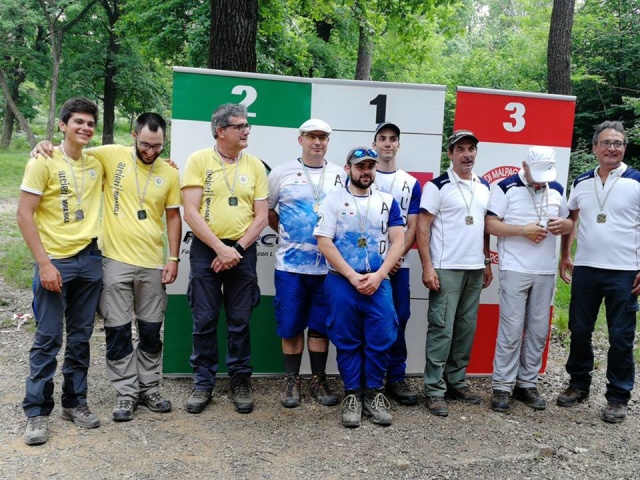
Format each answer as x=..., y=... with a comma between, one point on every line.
x=487, y=261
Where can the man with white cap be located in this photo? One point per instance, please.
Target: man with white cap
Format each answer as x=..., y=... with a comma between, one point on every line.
x=454, y=251
x=296, y=189
x=524, y=208
x=360, y=233
x=406, y=190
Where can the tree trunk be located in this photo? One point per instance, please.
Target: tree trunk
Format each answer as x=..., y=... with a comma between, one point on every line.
x=13, y=86
x=365, y=53
x=24, y=124
x=56, y=54
x=559, y=47
x=232, y=39
x=110, y=88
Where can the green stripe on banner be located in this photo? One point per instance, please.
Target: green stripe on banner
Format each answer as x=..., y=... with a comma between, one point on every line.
x=266, y=348
x=274, y=103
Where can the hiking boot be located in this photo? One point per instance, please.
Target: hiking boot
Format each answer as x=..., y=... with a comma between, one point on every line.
x=36, y=431
x=155, y=402
x=500, y=401
x=437, y=406
x=401, y=393
x=614, y=412
x=81, y=416
x=571, y=396
x=290, y=396
x=198, y=400
x=464, y=394
x=123, y=411
x=319, y=389
x=242, y=393
x=376, y=406
x=531, y=397
x=352, y=413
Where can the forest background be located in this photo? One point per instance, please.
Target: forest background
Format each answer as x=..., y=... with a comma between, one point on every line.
x=120, y=53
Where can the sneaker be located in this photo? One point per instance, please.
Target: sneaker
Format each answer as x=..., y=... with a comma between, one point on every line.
x=319, y=389
x=290, y=396
x=123, y=411
x=437, y=406
x=614, y=412
x=571, y=396
x=198, y=400
x=36, y=431
x=352, y=413
x=81, y=416
x=464, y=394
x=531, y=397
x=401, y=393
x=155, y=402
x=242, y=393
x=376, y=406
x=500, y=401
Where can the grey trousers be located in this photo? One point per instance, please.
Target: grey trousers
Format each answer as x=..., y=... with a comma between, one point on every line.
x=133, y=294
x=525, y=301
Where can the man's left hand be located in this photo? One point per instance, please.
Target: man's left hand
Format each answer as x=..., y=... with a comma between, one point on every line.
x=487, y=276
x=636, y=285
x=169, y=272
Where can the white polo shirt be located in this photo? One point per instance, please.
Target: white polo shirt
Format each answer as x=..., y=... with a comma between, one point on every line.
x=613, y=244
x=516, y=204
x=455, y=244
x=405, y=189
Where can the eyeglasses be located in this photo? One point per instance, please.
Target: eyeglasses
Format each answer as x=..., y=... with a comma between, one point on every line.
x=363, y=152
x=313, y=137
x=145, y=146
x=239, y=126
x=608, y=143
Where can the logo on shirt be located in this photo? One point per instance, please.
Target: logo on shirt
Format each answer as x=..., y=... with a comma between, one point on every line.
x=158, y=181
x=243, y=179
x=92, y=173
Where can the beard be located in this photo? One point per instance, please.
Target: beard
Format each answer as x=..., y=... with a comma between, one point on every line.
x=362, y=182
x=139, y=154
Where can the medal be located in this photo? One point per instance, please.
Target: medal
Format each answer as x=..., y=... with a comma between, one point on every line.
x=79, y=214
x=362, y=242
x=601, y=218
x=468, y=219
x=316, y=207
x=142, y=214
x=233, y=201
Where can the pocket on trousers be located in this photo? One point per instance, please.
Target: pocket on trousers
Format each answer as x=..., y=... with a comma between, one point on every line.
x=438, y=312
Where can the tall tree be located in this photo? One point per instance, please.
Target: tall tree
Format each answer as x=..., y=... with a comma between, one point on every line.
x=60, y=16
x=234, y=27
x=112, y=10
x=559, y=47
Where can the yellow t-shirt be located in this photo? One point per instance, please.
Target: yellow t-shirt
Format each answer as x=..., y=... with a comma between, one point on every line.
x=227, y=210
x=66, y=187
x=126, y=237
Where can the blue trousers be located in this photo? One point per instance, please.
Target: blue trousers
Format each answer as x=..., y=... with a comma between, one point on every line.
x=402, y=303
x=363, y=328
x=75, y=307
x=588, y=288
x=206, y=297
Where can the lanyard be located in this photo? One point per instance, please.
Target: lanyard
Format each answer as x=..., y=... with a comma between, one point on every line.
x=146, y=185
x=79, y=191
x=316, y=190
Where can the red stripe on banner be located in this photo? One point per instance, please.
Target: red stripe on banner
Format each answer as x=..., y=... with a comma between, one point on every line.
x=515, y=119
x=484, y=344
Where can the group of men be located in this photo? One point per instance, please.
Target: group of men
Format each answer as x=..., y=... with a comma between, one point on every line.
x=340, y=269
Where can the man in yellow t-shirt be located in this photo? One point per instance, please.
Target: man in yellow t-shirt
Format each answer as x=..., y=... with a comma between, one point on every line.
x=138, y=192
x=225, y=204
x=59, y=218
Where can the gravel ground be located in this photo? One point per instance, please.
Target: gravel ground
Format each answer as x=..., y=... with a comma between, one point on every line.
x=308, y=442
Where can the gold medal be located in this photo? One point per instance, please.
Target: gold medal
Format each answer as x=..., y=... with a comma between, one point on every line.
x=601, y=218
x=468, y=219
x=362, y=242
x=316, y=207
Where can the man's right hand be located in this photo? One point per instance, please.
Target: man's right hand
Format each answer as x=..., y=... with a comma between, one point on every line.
x=44, y=148
x=50, y=277
x=566, y=269
x=430, y=279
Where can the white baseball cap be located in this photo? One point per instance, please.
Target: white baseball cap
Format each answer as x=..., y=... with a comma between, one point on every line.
x=315, y=125
x=542, y=164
